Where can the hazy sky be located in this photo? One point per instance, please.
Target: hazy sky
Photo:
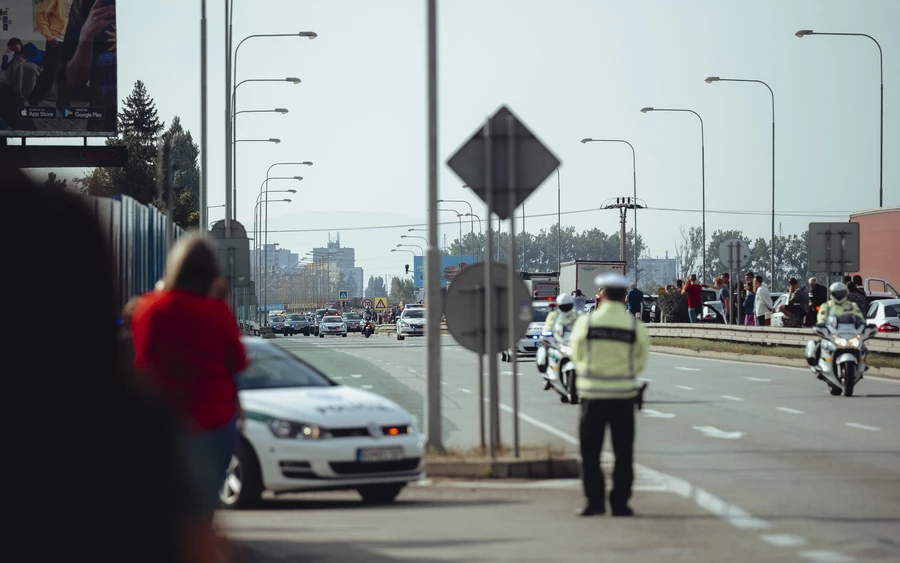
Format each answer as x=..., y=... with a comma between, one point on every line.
x=569, y=69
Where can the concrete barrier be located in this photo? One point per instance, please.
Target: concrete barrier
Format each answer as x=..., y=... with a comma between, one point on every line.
x=886, y=343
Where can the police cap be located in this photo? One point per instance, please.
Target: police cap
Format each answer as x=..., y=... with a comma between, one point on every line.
x=612, y=280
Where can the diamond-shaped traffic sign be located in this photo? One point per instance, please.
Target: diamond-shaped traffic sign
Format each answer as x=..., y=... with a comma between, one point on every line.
x=533, y=162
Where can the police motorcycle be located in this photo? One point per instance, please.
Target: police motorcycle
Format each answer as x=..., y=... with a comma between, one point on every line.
x=839, y=357
x=559, y=373
x=368, y=329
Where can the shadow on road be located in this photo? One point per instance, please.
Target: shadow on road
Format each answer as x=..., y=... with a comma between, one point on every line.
x=339, y=504
x=271, y=551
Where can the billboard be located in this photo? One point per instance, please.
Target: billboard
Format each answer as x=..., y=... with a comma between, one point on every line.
x=450, y=266
x=58, y=72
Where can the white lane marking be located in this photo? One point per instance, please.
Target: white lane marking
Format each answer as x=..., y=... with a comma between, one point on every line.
x=732, y=514
x=713, y=432
x=464, y=390
x=337, y=377
x=756, y=379
x=730, y=398
x=685, y=387
x=356, y=376
x=863, y=427
x=366, y=386
x=870, y=377
x=645, y=379
x=412, y=371
x=783, y=540
x=683, y=368
x=826, y=556
x=785, y=409
x=650, y=413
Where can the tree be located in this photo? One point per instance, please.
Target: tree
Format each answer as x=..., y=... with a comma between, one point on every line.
x=402, y=290
x=714, y=266
x=54, y=183
x=376, y=287
x=186, y=176
x=139, y=126
x=690, y=253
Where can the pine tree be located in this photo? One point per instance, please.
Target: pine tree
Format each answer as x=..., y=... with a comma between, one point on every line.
x=138, y=116
x=186, y=175
x=55, y=183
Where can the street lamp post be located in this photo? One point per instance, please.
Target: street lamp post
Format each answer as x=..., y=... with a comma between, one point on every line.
x=634, y=187
x=703, y=175
x=257, y=219
x=471, y=211
x=804, y=32
x=480, y=233
x=712, y=79
x=231, y=97
x=558, y=222
x=422, y=250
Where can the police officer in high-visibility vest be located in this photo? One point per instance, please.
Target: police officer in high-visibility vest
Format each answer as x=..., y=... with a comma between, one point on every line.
x=610, y=348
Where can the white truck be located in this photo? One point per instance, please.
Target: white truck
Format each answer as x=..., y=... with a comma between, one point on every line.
x=580, y=274
x=546, y=284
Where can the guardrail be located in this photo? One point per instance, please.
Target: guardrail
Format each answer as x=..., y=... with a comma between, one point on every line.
x=887, y=343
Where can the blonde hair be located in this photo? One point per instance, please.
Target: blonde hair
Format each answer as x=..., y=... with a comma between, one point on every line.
x=193, y=264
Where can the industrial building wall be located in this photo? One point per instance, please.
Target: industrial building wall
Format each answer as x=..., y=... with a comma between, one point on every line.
x=879, y=247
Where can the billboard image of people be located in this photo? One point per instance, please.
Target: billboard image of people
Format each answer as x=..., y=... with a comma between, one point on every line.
x=58, y=72
x=450, y=266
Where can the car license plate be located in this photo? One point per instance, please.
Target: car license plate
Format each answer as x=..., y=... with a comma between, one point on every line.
x=369, y=455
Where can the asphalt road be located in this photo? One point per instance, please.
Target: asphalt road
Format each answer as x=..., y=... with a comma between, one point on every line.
x=762, y=456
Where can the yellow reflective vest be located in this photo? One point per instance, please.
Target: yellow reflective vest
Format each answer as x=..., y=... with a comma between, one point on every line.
x=610, y=347
x=832, y=307
x=550, y=321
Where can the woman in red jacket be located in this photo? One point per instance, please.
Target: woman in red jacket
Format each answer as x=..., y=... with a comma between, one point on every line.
x=187, y=345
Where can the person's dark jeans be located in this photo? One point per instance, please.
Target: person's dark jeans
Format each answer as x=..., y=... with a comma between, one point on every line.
x=209, y=453
x=48, y=76
x=596, y=414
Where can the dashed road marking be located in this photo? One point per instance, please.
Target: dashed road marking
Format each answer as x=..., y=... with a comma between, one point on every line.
x=826, y=556
x=748, y=378
x=713, y=432
x=466, y=390
x=650, y=413
x=685, y=387
x=356, y=376
x=863, y=427
x=730, y=398
x=644, y=379
x=683, y=368
x=785, y=409
x=337, y=377
x=366, y=386
x=783, y=540
x=412, y=371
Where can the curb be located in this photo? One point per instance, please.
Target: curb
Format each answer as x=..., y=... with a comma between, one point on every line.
x=564, y=468
x=892, y=373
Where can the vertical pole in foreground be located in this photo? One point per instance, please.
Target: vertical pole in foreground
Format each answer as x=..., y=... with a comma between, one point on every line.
x=491, y=346
x=229, y=204
x=433, y=261
x=479, y=292
x=511, y=278
x=204, y=148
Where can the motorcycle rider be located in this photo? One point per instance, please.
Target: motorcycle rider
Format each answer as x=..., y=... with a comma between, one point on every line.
x=566, y=316
x=550, y=321
x=838, y=304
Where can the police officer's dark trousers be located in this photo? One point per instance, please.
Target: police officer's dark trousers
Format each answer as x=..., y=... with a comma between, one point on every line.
x=596, y=415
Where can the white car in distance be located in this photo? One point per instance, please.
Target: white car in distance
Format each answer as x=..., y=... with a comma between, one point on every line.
x=334, y=326
x=411, y=322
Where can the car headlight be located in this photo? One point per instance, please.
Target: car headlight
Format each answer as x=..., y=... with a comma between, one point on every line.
x=344, y=327
x=404, y=323
x=840, y=341
x=297, y=430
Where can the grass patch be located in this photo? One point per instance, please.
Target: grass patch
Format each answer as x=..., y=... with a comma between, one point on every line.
x=874, y=359
x=527, y=453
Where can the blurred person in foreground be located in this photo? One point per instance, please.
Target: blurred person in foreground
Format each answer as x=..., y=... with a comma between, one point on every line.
x=120, y=448
x=188, y=347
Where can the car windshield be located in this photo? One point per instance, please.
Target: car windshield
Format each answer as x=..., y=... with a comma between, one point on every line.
x=539, y=314
x=296, y=318
x=271, y=371
x=352, y=316
x=327, y=320
x=414, y=314
x=276, y=319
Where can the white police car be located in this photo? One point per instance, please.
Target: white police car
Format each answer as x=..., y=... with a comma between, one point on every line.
x=304, y=432
x=411, y=322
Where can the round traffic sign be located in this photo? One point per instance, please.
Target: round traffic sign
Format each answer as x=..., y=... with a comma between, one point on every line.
x=367, y=303
x=734, y=253
x=464, y=308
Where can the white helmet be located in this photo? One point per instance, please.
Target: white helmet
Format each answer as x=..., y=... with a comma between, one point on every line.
x=565, y=303
x=838, y=292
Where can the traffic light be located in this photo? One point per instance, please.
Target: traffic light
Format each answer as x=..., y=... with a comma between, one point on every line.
x=407, y=268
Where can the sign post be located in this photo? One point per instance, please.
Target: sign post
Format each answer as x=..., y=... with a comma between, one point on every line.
x=833, y=248
x=734, y=255
x=503, y=162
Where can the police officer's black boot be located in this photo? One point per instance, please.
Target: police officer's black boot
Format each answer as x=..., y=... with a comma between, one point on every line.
x=592, y=510
x=622, y=511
